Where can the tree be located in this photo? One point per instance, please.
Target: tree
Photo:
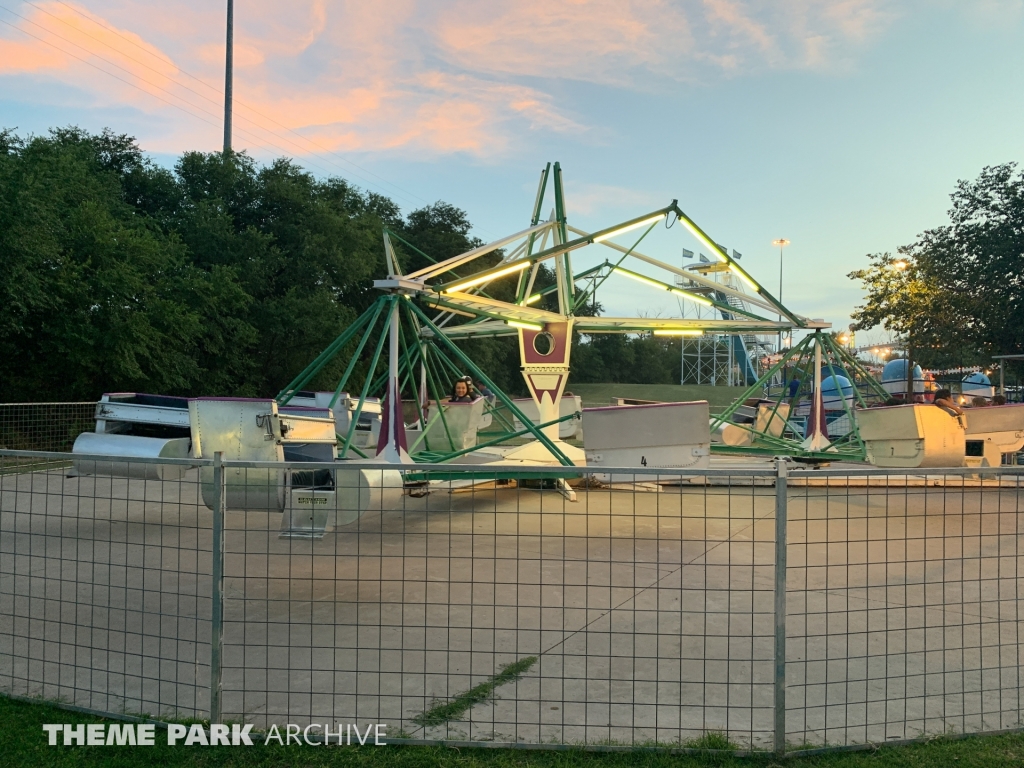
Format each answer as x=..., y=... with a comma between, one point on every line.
x=901, y=299
x=304, y=252
x=93, y=295
x=217, y=277
x=220, y=276
x=959, y=299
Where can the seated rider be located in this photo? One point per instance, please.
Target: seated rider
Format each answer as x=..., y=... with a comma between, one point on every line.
x=461, y=392
x=944, y=399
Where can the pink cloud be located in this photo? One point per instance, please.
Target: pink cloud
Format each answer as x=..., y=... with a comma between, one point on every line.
x=63, y=41
x=594, y=40
x=468, y=76
x=625, y=42
x=732, y=17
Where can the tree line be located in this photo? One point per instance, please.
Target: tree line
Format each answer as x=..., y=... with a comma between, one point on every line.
x=956, y=294
x=219, y=276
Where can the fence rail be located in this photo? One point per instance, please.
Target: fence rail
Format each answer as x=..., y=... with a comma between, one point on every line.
x=774, y=607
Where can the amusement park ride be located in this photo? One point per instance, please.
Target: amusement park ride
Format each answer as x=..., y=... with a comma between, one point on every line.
x=351, y=453
x=423, y=358
x=812, y=402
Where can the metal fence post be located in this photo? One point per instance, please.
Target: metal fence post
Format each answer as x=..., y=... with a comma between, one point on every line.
x=217, y=590
x=781, y=499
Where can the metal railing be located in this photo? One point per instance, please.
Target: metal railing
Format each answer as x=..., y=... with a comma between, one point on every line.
x=769, y=607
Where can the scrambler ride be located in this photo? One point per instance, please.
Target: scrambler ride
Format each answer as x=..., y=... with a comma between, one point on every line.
x=805, y=403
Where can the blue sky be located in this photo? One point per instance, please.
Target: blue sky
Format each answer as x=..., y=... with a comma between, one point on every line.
x=842, y=126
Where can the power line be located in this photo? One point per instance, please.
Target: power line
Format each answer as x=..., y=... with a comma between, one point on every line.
x=131, y=58
x=262, y=143
x=255, y=140
x=100, y=22
x=220, y=93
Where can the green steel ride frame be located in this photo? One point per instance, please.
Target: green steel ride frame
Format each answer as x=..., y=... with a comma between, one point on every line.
x=451, y=286
x=434, y=345
x=865, y=389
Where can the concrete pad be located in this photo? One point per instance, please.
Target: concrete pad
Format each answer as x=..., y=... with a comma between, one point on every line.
x=651, y=613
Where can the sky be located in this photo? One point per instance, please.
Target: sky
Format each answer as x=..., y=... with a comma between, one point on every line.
x=840, y=125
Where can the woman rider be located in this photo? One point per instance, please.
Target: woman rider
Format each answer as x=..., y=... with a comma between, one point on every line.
x=460, y=392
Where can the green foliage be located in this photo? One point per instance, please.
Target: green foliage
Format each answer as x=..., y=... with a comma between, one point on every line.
x=444, y=711
x=303, y=251
x=92, y=292
x=960, y=298
x=638, y=359
x=441, y=231
x=220, y=276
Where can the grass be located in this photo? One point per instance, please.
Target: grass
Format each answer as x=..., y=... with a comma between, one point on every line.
x=23, y=744
x=595, y=395
x=14, y=465
x=452, y=710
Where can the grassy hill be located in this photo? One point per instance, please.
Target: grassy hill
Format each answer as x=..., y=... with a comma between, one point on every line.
x=601, y=394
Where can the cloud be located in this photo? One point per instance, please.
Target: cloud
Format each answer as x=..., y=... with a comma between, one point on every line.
x=469, y=76
x=588, y=199
x=58, y=40
x=626, y=42
x=600, y=40
x=1005, y=13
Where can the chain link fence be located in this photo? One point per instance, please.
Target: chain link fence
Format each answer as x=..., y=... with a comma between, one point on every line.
x=904, y=613
x=763, y=608
x=105, y=587
x=43, y=427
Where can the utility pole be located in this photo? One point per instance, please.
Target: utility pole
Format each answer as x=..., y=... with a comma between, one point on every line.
x=229, y=75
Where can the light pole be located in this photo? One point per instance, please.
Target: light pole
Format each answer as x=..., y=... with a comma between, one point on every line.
x=782, y=243
x=229, y=75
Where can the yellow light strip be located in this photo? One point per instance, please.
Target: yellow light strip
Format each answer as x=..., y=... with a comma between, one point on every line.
x=524, y=325
x=677, y=332
x=697, y=233
x=743, y=276
x=662, y=286
x=733, y=267
x=488, y=277
x=533, y=299
x=692, y=297
x=640, y=278
x=444, y=308
x=629, y=227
